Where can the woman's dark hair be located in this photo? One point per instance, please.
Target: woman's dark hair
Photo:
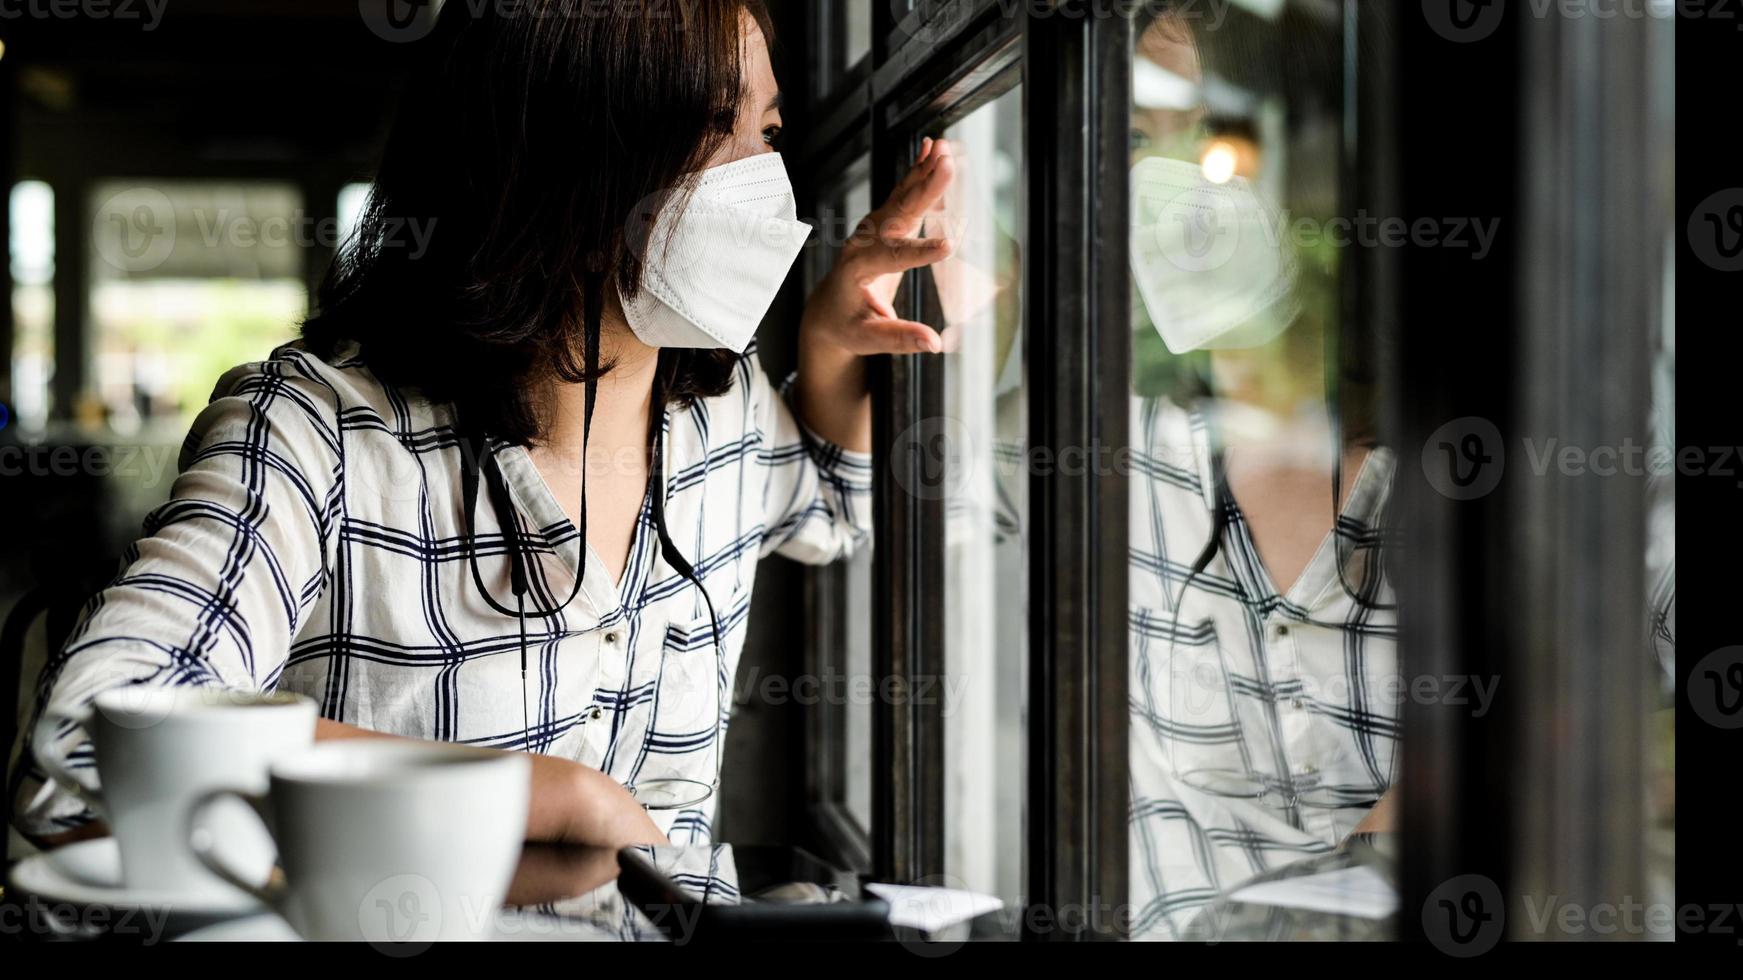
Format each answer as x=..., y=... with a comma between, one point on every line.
x=533, y=144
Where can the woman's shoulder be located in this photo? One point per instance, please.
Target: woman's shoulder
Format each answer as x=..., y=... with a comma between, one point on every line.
x=331, y=387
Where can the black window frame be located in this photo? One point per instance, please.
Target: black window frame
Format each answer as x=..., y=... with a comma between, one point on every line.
x=934, y=62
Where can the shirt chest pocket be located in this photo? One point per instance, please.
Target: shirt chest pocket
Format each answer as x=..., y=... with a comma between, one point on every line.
x=1182, y=678
x=691, y=692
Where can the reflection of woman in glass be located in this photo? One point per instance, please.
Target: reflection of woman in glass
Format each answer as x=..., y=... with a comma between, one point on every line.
x=1264, y=692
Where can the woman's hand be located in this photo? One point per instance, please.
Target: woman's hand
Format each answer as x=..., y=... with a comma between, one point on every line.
x=573, y=804
x=570, y=803
x=851, y=309
x=851, y=315
x=1382, y=819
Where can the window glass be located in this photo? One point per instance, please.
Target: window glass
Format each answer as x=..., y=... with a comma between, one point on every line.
x=856, y=26
x=846, y=657
x=188, y=279
x=845, y=39
x=856, y=616
x=857, y=739
x=32, y=257
x=979, y=445
x=1263, y=654
x=353, y=198
x=1660, y=766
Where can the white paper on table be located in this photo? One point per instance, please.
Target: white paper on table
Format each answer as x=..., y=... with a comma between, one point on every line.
x=932, y=909
x=1360, y=891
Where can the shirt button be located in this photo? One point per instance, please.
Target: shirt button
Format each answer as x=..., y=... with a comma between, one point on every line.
x=597, y=713
x=612, y=638
x=1298, y=704
x=1282, y=630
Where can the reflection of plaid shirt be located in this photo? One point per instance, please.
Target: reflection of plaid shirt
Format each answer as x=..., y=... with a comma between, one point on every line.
x=315, y=543
x=1297, y=692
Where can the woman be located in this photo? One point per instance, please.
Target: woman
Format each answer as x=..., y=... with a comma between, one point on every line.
x=510, y=490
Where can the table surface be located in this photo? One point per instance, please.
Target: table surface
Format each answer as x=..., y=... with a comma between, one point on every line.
x=571, y=892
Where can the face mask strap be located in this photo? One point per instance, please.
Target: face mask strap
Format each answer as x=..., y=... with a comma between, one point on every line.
x=673, y=556
x=479, y=463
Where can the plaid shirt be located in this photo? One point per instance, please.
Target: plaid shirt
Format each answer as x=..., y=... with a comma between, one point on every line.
x=315, y=542
x=1295, y=692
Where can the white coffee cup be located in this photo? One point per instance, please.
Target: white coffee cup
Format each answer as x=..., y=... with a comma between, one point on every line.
x=158, y=749
x=386, y=841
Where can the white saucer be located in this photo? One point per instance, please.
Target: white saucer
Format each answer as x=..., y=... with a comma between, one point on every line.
x=89, y=873
x=270, y=928
x=265, y=928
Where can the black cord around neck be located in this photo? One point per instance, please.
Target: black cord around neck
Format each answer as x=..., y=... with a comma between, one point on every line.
x=480, y=465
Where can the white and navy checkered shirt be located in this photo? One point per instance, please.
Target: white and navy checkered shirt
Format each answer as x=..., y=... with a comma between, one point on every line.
x=315, y=542
x=1263, y=726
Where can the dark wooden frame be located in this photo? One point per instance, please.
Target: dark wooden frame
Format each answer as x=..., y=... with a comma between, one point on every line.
x=941, y=61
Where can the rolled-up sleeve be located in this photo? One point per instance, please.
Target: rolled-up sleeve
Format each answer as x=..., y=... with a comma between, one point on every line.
x=819, y=495
x=215, y=591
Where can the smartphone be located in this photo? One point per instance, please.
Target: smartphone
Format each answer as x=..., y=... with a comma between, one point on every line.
x=759, y=893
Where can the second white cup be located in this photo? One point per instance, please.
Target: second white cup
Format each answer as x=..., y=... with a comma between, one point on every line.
x=386, y=841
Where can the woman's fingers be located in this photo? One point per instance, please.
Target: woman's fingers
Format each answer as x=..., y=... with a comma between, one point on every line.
x=899, y=337
x=917, y=194
x=888, y=256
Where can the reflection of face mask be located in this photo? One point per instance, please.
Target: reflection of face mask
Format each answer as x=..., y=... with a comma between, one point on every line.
x=716, y=260
x=1209, y=259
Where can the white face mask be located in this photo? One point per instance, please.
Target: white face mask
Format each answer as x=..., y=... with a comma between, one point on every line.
x=716, y=260
x=1209, y=259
